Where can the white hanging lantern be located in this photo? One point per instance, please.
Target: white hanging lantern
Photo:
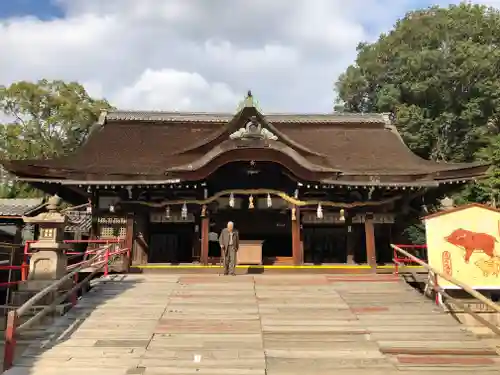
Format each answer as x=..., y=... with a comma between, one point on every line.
x=231, y=200
x=111, y=208
x=342, y=215
x=250, y=202
x=269, y=201
x=167, y=212
x=89, y=208
x=184, y=211
x=319, y=212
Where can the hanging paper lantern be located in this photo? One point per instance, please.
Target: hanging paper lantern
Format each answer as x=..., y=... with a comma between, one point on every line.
x=111, y=208
x=269, y=201
x=319, y=212
x=167, y=212
x=184, y=211
x=342, y=215
x=231, y=200
x=89, y=208
x=250, y=202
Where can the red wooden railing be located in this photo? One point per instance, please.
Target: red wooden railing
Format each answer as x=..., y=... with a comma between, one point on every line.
x=402, y=260
x=100, y=260
x=440, y=292
x=25, y=264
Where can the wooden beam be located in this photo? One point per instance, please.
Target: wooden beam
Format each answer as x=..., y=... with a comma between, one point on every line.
x=350, y=241
x=205, y=227
x=140, y=248
x=129, y=239
x=370, y=242
x=297, y=248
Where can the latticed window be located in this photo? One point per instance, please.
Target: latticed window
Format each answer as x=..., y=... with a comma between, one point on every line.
x=107, y=232
x=112, y=227
x=113, y=232
x=122, y=233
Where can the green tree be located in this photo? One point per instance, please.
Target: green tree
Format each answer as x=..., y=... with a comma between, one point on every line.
x=438, y=72
x=46, y=119
x=488, y=189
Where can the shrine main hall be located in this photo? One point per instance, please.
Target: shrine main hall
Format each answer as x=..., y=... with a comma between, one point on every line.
x=301, y=188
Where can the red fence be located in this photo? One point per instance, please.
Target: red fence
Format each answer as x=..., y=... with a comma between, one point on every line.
x=27, y=253
x=420, y=251
x=100, y=259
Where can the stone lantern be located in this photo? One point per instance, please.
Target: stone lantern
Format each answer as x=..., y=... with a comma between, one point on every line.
x=48, y=261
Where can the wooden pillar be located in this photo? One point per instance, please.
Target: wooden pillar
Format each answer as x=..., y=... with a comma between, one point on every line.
x=94, y=204
x=18, y=236
x=140, y=249
x=297, y=248
x=370, y=242
x=350, y=241
x=129, y=240
x=205, y=227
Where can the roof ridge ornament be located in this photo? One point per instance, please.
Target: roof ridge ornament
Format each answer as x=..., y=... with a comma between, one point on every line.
x=388, y=117
x=253, y=130
x=248, y=102
x=249, y=99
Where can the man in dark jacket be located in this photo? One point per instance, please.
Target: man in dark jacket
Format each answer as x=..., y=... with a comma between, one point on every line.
x=229, y=243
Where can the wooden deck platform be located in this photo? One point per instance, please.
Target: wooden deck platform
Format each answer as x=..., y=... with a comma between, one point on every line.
x=184, y=268
x=258, y=325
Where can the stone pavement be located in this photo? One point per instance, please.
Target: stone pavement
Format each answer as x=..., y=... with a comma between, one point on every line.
x=256, y=325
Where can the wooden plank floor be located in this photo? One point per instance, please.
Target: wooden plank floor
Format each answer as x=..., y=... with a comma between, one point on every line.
x=256, y=325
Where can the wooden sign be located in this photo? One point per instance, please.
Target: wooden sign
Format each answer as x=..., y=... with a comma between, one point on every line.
x=334, y=218
x=174, y=217
x=112, y=220
x=464, y=243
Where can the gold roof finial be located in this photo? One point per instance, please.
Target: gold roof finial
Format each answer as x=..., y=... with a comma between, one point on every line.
x=248, y=102
x=249, y=99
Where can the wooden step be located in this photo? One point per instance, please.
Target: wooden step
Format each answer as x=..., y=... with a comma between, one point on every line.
x=459, y=348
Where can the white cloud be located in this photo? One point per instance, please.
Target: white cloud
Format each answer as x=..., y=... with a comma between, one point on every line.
x=178, y=91
x=197, y=54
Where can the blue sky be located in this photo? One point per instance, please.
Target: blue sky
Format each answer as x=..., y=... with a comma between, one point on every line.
x=43, y=9
x=47, y=9
x=200, y=55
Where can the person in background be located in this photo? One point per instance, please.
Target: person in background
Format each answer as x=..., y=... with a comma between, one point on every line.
x=229, y=243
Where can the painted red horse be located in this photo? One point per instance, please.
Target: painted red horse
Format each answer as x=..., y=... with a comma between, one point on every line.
x=472, y=242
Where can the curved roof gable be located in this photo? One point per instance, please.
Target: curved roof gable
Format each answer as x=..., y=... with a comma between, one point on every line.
x=148, y=145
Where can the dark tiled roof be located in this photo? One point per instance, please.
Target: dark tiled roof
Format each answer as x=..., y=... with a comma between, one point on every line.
x=18, y=206
x=359, y=150
x=78, y=221
x=144, y=145
x=195, y=117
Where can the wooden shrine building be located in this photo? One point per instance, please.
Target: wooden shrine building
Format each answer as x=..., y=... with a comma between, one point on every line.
x=300, y=188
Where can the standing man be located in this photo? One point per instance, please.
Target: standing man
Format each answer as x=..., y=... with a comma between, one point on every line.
x=229, y=244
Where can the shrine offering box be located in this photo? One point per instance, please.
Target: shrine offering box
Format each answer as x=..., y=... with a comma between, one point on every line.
x=250, y=252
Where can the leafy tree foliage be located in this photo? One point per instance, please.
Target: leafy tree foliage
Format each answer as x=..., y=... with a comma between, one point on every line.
x=438, y=72
x=488, y=189
x=45, y=119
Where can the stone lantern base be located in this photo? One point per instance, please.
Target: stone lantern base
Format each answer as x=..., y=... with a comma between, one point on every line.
x=48, y=262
